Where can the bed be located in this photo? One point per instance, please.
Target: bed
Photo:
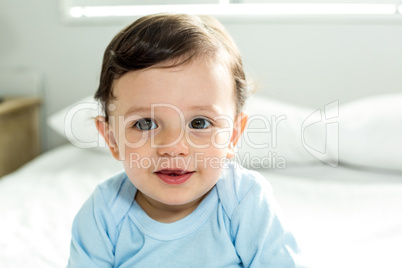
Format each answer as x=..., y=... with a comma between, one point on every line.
x=344, y=203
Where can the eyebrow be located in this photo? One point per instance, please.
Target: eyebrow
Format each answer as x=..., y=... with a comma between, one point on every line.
x=207, y=108
x=138, y=110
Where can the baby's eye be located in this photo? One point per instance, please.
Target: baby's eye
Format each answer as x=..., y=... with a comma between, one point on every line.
x=199, y=123
x=145, y=124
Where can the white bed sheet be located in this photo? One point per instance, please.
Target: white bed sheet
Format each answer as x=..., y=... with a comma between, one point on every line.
x=342, y=217
x=39, y=201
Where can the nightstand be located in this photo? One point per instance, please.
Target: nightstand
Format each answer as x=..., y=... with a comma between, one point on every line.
x=19, y=132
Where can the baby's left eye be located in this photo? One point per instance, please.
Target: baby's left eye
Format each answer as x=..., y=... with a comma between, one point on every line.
x=199, y=123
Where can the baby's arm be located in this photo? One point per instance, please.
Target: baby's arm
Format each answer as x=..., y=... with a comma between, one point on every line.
x=91, y=245
x=259, y=237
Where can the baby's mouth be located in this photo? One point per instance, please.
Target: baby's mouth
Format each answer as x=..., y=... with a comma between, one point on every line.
x=173, y=172
x=174, y=176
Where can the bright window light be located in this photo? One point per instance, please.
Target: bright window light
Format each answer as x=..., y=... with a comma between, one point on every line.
x=77, y=12
x=236, y=9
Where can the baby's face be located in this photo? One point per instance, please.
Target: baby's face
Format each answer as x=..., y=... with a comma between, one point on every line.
x=174, y=128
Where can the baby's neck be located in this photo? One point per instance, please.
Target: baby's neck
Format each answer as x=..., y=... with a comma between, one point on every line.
x=166, y=213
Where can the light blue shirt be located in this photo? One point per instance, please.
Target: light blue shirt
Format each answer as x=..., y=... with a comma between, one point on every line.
x=236, y=225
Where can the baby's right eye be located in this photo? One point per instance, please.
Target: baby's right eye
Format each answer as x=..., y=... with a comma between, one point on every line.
x=145, y=124
x=199, y=123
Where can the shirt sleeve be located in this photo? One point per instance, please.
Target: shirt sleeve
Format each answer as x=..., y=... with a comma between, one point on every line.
x=93, y=228
x=259, y=236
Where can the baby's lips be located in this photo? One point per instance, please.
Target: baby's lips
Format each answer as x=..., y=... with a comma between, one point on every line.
x=173, y=171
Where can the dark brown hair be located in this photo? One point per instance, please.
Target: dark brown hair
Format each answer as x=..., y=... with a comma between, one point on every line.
x=173, y=39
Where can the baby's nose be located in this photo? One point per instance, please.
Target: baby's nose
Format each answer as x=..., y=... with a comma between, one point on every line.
x=172, y=142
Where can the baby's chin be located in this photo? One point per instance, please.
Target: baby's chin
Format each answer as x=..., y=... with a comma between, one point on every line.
x=180, y=201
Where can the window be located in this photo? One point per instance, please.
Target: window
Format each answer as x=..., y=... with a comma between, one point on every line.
x=107, y=10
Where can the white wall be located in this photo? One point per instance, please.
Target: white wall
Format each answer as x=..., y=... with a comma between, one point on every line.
x=314, y=64
x=69, y=57
x=304, y=62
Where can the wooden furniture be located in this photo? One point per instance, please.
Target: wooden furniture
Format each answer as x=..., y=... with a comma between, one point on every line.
x=19, y=132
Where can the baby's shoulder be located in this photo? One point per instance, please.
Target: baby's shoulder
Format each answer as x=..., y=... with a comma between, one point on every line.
x=238, y=183
x=116, y=193
x=110, y=188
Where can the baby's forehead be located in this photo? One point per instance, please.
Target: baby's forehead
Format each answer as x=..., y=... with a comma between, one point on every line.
x=194, y=84
x=212, y=60
x=179, y=67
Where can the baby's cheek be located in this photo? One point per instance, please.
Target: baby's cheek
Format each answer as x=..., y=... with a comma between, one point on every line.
x=135, y=139
x=220, y=139
x=200, y=140
x=213, y=140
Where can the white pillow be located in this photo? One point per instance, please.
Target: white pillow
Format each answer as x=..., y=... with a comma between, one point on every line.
x=371, y=132
x=273, y=137
x=77, y=124
x=363, y=133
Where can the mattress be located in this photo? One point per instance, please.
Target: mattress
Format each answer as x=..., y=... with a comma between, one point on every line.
x=342, y=217
x=39, y=201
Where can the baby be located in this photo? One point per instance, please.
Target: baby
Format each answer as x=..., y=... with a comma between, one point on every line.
x=173, y=88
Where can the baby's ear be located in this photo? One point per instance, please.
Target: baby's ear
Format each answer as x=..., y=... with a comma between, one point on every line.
x=107, y=133
x=238, y=128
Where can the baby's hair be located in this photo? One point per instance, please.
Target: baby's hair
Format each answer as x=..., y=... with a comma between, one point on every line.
x=169, y=40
